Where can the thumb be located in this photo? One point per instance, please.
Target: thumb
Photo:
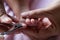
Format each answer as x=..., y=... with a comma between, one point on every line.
x=33, y=14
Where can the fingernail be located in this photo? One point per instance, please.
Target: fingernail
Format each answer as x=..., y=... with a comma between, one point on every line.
x=46, y=22
x=32, y=20
x=28, y=21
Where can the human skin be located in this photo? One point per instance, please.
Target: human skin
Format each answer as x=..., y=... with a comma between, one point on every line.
x=2, y=11
x=39, y=11
x=52, y=13
x=18, y=6
x=46, y=12
x=3, y=16
x=6, y=17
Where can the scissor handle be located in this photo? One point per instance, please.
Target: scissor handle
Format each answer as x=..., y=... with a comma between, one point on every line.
x=15, y=26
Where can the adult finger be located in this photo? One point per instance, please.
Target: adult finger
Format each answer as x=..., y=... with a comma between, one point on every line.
x=5, y=19
x=13, y=19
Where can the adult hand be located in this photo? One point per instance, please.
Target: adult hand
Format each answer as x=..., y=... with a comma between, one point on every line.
x=6, y=22
x=50, y=14
x=47, y=18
